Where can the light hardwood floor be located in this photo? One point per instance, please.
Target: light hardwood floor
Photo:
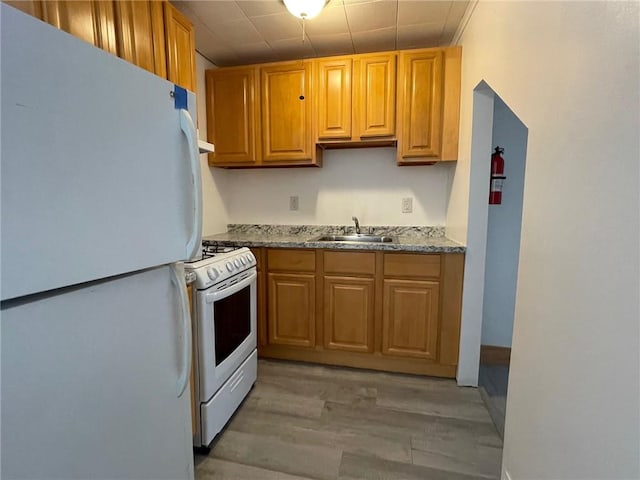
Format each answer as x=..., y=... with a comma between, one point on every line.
x=306, y=421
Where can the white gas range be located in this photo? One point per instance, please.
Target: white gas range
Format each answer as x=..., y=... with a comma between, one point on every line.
x=224, y=331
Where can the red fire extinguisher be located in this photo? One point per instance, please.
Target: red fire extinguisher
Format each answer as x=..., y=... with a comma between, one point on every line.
x=497, y=177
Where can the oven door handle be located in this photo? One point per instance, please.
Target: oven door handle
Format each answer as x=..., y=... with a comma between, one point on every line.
x=214, y=296
x=177, y=278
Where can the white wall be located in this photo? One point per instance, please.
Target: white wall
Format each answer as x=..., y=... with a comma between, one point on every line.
x=570, y=71
x=214, y=211
x=503, y=231
x=363, y=182
x=474, y=259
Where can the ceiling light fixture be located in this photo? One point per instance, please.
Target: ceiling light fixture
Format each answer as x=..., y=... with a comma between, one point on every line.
x=305, y=9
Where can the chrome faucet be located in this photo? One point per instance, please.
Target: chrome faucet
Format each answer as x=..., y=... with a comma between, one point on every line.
x=355, y=219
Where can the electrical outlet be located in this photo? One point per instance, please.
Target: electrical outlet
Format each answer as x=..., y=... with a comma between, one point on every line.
x=407, y=205
x=293, y=202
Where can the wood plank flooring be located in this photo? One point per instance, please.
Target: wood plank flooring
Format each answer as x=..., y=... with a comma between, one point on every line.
x=306, y=421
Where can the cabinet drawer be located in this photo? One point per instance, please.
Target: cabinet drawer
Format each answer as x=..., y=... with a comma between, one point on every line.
x=350, y=262
x=411, y=265
x=291, y=260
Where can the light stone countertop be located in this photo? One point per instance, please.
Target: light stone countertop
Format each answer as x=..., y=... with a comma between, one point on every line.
x=408, y=239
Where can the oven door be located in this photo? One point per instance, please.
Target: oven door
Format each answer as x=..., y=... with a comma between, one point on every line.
x=226, y=330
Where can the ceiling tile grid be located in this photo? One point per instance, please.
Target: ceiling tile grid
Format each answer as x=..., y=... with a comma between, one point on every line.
x=249, y=31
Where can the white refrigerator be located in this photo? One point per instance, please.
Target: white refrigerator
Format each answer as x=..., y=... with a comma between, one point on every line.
x=100, y=201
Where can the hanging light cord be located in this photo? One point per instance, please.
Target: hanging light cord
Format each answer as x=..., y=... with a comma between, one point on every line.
x=303, y=29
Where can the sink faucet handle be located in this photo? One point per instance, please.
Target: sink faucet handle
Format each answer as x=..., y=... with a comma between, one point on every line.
x=355, y=219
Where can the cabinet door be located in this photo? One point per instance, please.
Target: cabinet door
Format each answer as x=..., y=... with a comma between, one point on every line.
x=348, y=313
x=231, y=115
x=376, y=95
x=333, y=94
x=140, y=34
x=286, y=112
x=92, y=21
x=420, y=104
x=410, y=318
x=181, y=48
x=291, y=309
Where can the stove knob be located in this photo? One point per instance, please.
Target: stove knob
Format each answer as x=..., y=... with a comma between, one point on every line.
x=229, y=266
x=213, y=273
x=236, y=262
x=250, y=257
x=243, y=260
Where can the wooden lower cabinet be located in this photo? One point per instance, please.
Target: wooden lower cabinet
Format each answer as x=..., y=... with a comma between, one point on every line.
x=291, y=311
x=410, y=318
x=396, y=312
x=348, y=313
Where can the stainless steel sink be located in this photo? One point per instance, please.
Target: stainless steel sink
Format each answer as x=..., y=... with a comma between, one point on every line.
x=354, y=238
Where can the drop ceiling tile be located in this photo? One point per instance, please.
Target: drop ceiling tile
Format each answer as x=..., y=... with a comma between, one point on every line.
x=293, y=49
x=237, y=32
x=225, y=60
x=331, y=21
x=413, y=12
x=458, y=9
x=254, y=53
x=225, y=35
x=277, y=27
x=183, y=6
x=216, y=13
x=253, y=8
x=353, y=2
x=374, y=40
x=259, y=47
x=328, y=45
x=212, y=47
x=419, y=36
x=371, y=16
x=456, y=14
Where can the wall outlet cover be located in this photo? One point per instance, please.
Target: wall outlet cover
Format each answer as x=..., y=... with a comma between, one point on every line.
x=293, y=202
x=407, y=205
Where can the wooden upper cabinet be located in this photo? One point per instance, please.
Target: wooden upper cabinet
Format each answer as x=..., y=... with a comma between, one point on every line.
x=428, y=105
x=180, y=48
x=375, y=96
x=420, y=103
x=140, y=34
x=286, y=103
x=92, y=21
x=333, y=94
x=231, y=116
x=30, y=7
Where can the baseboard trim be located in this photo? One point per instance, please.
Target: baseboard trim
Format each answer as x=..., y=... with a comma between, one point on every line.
x=493, y=355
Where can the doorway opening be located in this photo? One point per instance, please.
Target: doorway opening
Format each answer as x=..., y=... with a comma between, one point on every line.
x=493, y=247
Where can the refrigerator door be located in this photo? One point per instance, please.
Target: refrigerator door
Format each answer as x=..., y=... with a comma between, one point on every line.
x=98, y=175
x=89, y=378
